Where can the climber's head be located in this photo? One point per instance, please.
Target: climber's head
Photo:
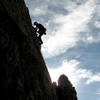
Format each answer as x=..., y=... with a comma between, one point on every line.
x=35, y=23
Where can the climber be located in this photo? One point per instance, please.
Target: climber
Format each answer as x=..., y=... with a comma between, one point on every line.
x=40, y=30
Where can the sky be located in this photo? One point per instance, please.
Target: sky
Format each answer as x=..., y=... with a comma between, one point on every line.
x=72, y=43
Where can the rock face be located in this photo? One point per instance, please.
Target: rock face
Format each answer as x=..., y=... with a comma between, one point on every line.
x=23, y=73
x=65, y=90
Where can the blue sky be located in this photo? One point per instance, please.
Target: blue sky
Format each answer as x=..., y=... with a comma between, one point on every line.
x=72, y=43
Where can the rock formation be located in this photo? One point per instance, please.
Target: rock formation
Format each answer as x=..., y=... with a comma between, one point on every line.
x=23, y=73
x=65, y=90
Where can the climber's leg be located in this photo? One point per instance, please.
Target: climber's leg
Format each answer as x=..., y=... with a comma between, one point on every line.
x=40, y=40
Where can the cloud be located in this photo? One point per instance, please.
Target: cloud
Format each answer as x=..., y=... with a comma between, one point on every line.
x=98, y=9
x=74, y=73
x=98, y=91
x=93, y=78
x=67, y=35
x=97, y=24
x=91, y=39
x=68, y=68
x=38, y=11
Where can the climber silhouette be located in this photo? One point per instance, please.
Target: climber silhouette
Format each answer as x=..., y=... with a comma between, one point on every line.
x=40, y=30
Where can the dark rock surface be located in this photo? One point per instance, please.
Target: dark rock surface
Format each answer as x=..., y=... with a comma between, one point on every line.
x=23, y=73
x=65, y=90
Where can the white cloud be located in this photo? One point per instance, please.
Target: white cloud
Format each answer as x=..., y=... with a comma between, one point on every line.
x=67, y=35
x=67, y=68
x=98, y=91
x=94, y=78
x=71, y=6
x=90, y=39
x=97, y=24
x=98, y=9
x=38, y=11
x=74, y=73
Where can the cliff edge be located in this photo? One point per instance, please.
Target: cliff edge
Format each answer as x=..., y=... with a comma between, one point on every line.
x=23, y=73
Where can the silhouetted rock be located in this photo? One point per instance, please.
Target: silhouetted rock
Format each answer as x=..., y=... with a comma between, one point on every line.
x=63, y=81
x=65, y=90
x=23, y=73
